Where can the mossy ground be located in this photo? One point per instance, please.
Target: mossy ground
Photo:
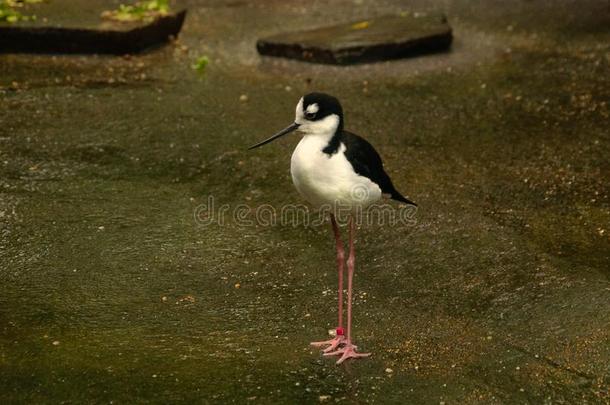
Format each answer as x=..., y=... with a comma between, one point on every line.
x=498, y=293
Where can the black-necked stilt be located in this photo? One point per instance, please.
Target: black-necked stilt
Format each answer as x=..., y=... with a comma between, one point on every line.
x=340, y=170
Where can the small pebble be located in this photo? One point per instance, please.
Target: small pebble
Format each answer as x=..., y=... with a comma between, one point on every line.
x=243, y=98
x=56, y=343
x=389, y=370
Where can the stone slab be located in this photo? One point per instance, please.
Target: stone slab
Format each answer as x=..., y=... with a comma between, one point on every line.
x=378, y=39
x=107, y=38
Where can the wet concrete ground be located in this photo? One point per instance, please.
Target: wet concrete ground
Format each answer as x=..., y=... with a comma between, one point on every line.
x=499, y=293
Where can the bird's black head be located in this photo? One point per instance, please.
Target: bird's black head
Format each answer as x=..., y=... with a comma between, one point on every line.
x=319, y=114
x=316, y=114
x=317, y=106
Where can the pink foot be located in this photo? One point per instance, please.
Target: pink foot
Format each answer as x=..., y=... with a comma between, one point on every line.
x=348, y=351
x=331, y=344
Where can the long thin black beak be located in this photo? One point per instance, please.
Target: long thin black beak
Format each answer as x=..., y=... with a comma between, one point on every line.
x=283, y=132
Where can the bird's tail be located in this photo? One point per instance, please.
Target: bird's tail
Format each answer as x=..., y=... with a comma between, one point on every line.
x=399, y=197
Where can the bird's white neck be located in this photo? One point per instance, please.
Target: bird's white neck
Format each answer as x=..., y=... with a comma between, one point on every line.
x=324, y=128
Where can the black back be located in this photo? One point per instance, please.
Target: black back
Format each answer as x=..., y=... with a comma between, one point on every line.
x=366, y=162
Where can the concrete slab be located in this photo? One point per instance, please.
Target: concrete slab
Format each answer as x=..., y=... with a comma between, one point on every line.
x=383, y=38
x=107, y=37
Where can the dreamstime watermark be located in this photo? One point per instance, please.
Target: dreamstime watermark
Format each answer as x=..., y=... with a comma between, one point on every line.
x=294, y=215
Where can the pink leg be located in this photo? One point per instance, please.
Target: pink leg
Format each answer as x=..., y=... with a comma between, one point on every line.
x=348, y=350
x=339, y=339
x=340, y=262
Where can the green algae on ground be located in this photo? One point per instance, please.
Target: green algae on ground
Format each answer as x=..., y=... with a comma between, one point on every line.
x=9, y=10
x=144, y=10
x=201, y=63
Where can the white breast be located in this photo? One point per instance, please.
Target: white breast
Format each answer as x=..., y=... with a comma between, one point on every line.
x=329, y=180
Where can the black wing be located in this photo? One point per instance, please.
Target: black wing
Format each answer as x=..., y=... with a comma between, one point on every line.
x=366, y=162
